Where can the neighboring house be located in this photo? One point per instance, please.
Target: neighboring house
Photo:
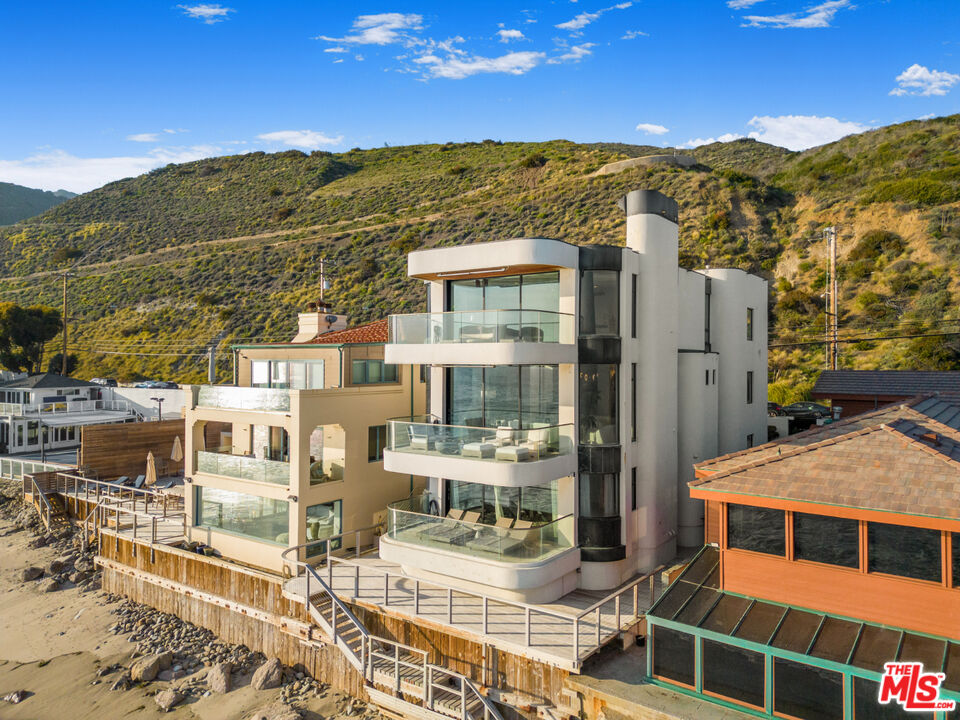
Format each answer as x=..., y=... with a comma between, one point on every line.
x=571, y=391
x=294, y=453
x=829, y=554
x=857, y=391
x=46, y=411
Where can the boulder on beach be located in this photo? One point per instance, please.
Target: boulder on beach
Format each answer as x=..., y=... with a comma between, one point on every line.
x=218, y=678
x=269, y=675
x=145, y=669
x=166, y=699
x=32, y=573
x=50, y=585
x=276, y=711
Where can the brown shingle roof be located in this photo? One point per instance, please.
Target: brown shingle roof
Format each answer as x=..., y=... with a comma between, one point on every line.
x=909, y=466
x=943, y=408
x=371, y=332
x=885, y=382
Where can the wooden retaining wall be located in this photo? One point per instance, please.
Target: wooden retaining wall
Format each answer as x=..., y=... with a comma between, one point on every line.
x=115, y=450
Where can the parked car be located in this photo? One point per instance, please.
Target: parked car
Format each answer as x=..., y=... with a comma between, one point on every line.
x=807, y=410
x=105, y=382
x=157, y=385
x=774, y=409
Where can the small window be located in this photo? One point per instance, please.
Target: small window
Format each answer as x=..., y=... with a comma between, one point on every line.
x=749, y=387
x=714, y=377
x=376, y=439
x=369, y=372
x=749, y=323
x=633, y=488
x=706, y=380
x=750, y=440
x=823, y=539
x=633, y=305
x=905, y=551
x=633, y=401
x=757, y=529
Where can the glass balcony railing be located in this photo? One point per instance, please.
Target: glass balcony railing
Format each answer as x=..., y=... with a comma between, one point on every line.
x=229, y=397
x=481, y=326
x=243, y=467
x=511, y=540
x=420, y=435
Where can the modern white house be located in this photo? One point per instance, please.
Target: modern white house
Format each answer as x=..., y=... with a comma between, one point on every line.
x=46, y=411
x=571, y=390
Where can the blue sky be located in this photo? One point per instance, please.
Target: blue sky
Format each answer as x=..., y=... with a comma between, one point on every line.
x=96, y=91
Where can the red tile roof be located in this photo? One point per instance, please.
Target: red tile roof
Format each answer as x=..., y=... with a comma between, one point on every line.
x=371, y=332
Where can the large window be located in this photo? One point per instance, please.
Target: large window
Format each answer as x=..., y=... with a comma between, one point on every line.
x=733, y=672
x=328, y=454
x=598, y=405
x=599, y=495
x=292, y=374
x=600, y=302
x=369, y=372
x=521, y=397
x=323, y=520
x=522, y=293
x=537, y=503
x=755, y=528
x=808, y=692
x=825, y=539
x=673, y=655
x=376, y=439
x=252, y=516
x=906, y=551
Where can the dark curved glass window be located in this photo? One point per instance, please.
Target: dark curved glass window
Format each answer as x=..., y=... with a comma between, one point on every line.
x=758, y=529
x=865, y=705
x=733, y=672
x=807, y=692
x=600, y=302
x=599, y=423
x=906, y=551
x=673, y=655
x=825, y=539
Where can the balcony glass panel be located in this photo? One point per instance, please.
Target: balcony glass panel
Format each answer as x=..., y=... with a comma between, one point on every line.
x=480, y=326
x=526, y=396
x=243, y=467
x=244, y=398
x=409, y=522
x=537, y=504
x=252, y=516
x=499, y=444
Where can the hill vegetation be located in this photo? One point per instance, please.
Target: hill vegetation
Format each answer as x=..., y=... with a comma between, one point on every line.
x=19, y=203
x=229, y=247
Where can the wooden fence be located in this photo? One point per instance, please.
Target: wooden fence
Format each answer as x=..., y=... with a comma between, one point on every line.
x=114, y=450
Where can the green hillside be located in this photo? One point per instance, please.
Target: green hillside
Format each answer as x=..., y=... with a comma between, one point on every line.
x=19, y=203
x=230, y=246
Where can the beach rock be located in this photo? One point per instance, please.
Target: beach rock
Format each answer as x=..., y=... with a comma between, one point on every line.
x=32, y=573
x=166, y=699
x=145, y=669
x=269, y=675
x=218, y=678
x=50, y=585
x=77, y=577
x=54, y=567
x=276, y=711
x=165, y=659
x=16, y=696
x=121, y=683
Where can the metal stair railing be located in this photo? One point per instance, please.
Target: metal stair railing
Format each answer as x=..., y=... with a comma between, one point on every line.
x=331, y=626
x=44, y=508
x=465, y=694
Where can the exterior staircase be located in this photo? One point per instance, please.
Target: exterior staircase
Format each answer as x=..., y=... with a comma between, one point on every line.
x=397, y=677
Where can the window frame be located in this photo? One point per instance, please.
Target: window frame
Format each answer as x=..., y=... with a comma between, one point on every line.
x=749, y=387
x=749, y=324
x=377, y=434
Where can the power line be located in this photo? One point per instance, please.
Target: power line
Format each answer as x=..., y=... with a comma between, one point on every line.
x=875, y=338
x=139, y=354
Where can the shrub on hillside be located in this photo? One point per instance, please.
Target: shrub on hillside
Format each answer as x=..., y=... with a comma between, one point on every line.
x=876, y=243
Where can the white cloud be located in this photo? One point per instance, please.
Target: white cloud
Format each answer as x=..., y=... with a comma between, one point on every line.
x=799, y=132
x=919, y=80
x=144, y=137
x=457, y=67
x=742, y=4
x=309, y=139
x=818, y=16
x=508, y=35
x=631, y=34
x=585, y=18
x=52, y=169
x=574, y=54
x=206, y=12
x=338, y=60
x=336, y=49
x=697, y=142
x=652, y=129
x=380, y=29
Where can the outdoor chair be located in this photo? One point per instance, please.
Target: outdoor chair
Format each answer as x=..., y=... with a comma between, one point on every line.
x=456, y=533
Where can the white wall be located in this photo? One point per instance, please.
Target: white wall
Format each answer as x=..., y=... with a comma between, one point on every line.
x=692, y=307
x=697, y=436
x=140, y=400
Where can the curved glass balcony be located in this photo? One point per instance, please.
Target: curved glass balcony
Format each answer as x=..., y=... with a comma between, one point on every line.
x=481, y=326
x=229, y=397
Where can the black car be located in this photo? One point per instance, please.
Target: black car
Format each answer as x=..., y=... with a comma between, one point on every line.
x=807, y=410
x=104, y=382
x=774, y=409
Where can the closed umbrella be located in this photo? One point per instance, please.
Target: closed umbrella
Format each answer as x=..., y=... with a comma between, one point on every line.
x=177, y=454
x=151, y=469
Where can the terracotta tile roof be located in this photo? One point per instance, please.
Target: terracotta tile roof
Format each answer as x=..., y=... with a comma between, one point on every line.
x=885, y=382
x=371, y=332
x=942, y=407
x=907, y=465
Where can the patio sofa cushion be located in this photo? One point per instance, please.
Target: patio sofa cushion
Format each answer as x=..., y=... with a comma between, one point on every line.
x=513, y=453
x=478, y=450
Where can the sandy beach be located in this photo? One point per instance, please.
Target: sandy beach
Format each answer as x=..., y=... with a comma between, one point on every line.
x=54, y=643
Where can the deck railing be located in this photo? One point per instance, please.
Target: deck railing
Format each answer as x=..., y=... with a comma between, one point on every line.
x=243, y=467
x=481, y=326
x=59, y=407
x=229, y=397
x=13, y=469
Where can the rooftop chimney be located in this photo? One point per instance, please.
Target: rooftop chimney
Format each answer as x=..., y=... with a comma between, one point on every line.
x=319, y=318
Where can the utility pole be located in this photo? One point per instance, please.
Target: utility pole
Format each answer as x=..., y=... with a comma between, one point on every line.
x=832, y=323
x=63, y=370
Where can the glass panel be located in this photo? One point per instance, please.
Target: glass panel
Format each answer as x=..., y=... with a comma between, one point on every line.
x=599, y=495
x=807, y=692
x=327, y=454
x=260, y=373
x=466, y=295
x=905, y=551
x=796, y=631
x=955, y=552
x=677, y=594
x=727, y=613
x=376, y=436
x=952, y=669
x=757, y=529
x=836, y=640
x=374, y=371
x=279, y=377
x=501, y=396
x=826, y=539
x=389, y=373
x=358, y=372
x=673, y=655
x=703, y=566
x=926, y=650
x=243, y=398
x=598, y=405
x=733, y=672
x=865, y=705
x=877, y=646
x=536, y=504
x=699, y=605
x=248, y=515
x=599, y=302
x=540, y=292
x=761, y=620
x=502, y=293
x=322, y=521
x=540, y=399
x=501, y=444
x=244, y=467
x=466, y=396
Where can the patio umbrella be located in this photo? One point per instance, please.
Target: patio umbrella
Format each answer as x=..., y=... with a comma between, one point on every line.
x=177, y=454
x=151, y=469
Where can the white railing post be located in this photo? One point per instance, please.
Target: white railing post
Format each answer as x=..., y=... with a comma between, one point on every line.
x=416, y=597
x=396, y=666
x=576, y=639
x=463, y=698
x=333, y=617
x=527, y=622
x=598, y=626
x=484, y=614
x=450, y=606
x=428, y=682
x=356, y=581
x=386, y=589
x=616, y=605
x=329, y=566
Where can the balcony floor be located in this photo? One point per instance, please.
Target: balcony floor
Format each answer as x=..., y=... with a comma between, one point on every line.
x=551, y=638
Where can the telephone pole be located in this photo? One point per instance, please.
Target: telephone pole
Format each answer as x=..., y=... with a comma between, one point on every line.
x=832, y=324
x=63, y=356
